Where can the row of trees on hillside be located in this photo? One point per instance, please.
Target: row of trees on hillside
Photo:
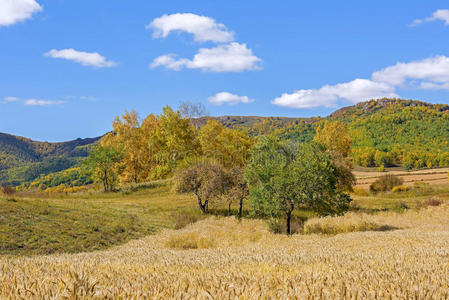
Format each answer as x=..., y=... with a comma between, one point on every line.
x=154, y=148
x=218, y=163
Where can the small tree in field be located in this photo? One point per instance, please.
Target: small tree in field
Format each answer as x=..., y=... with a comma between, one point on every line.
x=237, y=189
x=283, y=177
x=103, y=161
x=205, y=180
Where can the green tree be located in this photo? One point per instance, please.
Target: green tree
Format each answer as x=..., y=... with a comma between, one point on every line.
x=283, y=177
x=102, y=162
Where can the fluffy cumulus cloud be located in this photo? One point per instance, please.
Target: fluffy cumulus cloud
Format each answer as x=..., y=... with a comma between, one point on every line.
x=84, y=58
x=233, y=57
x=14, y=11
x=227, y=56
x=430, y=73
x=440, y=14
x=39, y=102
x=202, y=28
x=228, y=98
x=328, y=95
x=433, y=71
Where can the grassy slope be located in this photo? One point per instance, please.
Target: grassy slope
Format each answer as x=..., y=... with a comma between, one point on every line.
x=86, y=222
x=38, y=224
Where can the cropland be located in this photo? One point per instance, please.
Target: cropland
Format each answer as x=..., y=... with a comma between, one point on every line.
x=389, y=246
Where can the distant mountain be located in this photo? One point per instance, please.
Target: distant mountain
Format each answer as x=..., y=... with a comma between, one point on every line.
x=411, y=133
x=22, y=159
x=373, y=107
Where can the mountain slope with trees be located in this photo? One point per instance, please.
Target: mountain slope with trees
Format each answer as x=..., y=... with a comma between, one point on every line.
x=384, y=132
x=22, y=159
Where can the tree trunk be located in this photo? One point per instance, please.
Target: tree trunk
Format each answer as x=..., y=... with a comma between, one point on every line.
x=105, y=180
x=204, y=207
x=289, y=217
x=240, y=208
x=229, y=208
x=201, y=205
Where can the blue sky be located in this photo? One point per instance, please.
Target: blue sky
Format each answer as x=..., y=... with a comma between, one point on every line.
x=67, y=68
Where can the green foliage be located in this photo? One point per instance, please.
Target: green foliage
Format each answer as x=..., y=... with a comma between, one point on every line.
x=15, y=150
x=30, y=171
x=393, y=131
x=23, y=160
x=388, y=132
x=286, y=176
x=76, y=176
x=102, y=162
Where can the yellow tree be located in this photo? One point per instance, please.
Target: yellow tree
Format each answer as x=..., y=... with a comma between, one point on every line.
x=227, y=146
x=148, y=129
x=175, y=140
x=133, y=139
x=334, y=136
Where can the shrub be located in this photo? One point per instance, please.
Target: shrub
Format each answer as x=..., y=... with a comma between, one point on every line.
x=400, y=188
x=385, y=183
x=8, y=190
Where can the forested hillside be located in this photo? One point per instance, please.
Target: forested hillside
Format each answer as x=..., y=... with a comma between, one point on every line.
x=384, y=132
x=387, y=132
x=23, y=159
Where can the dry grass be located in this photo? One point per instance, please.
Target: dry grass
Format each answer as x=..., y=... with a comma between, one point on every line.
x=351, y=222
x=248, y=262
x=431, y=176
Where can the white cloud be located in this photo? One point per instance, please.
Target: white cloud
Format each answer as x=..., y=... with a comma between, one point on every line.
x=202, y=28
x=433, y=69
x=14, y=11
x=360, y=90
x=430, y=74
x=169, y=61
x=85, y=58
x=38, y=102
x=233, y=57
x=328, y=95
x=440, y=14
x=228, y=98
x=11, y=99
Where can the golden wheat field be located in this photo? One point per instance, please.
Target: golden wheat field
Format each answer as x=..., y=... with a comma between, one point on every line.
x=222, y=258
